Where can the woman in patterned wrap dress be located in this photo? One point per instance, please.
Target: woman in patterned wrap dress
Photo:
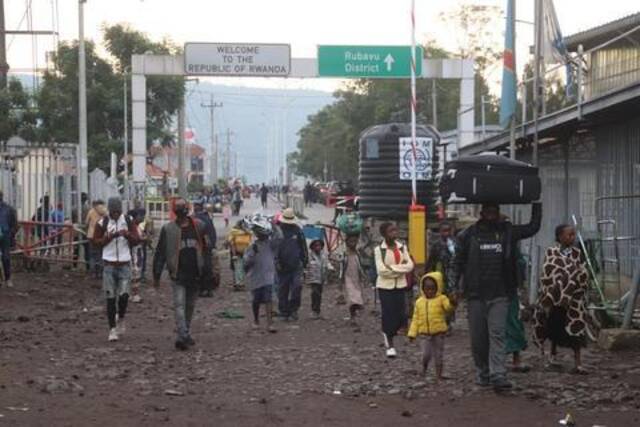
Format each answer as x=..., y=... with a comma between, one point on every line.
x=560, y=314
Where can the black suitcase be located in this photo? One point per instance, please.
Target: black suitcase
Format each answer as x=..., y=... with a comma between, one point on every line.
x=489, y=179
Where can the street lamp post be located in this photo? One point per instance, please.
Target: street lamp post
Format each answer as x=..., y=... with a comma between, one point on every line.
x=126, y=136
x=82, y=101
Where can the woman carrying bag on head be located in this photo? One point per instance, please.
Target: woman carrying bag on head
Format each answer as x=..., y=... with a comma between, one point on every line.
x=393, y=263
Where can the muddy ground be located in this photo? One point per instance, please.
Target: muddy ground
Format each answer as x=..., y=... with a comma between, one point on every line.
x=57, y=368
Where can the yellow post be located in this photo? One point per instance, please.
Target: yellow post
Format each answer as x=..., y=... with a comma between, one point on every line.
x=418, y=234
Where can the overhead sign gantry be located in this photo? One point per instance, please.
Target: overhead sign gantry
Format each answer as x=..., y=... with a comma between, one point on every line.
x=274, y=60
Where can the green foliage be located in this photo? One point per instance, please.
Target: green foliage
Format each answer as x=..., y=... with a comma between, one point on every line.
x=166, y=93
x=17, y=115
x=58, y=103
x=194, y=187
x=331, y=135
x=58, y=96
x=555, y=97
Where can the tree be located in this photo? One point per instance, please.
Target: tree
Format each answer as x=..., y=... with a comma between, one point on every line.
x=58, y=103
x=555, y=97
x=331, y=135
x=58, y=96
x=477, y=39
x=166, y=93
x=17, y=115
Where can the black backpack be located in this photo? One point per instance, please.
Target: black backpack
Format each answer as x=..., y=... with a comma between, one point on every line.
x=104, y=222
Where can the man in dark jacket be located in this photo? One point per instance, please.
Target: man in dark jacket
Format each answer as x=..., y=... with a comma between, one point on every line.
x=291, y=260
x=182, y=247
x=8, y=230
x=207, y=285
x=486, y=260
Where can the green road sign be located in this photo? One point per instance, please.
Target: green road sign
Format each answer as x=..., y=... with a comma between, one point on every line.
x=367, y=61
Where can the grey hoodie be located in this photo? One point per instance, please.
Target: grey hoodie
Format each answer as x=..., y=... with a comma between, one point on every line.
x=260, y=263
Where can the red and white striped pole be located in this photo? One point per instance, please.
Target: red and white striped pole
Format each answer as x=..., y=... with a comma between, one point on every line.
x=414, y=177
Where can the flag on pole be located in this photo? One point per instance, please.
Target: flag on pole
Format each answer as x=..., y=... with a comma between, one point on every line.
x=553, y=49
x=509, y=100
x=414, y=186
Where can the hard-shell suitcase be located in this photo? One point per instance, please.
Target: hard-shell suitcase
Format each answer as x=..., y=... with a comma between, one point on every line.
x=489, y=179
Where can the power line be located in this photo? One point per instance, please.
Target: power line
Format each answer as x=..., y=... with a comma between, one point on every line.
x=24, y=16
x=268, y=95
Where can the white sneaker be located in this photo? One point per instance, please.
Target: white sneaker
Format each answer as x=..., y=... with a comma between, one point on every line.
x=9, y=283
x=387, y=344
x=113, y=335
x=121, y=329
x=391, y=353
x=136, y=299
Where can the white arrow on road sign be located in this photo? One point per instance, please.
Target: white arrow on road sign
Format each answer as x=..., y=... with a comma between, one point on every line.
x=389, y=61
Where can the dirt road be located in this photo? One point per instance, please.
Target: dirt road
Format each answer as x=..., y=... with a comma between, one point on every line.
x=57, y=368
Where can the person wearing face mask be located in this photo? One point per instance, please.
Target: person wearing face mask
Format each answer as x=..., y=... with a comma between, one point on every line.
x=116, y=234
x=182, y=247
x=8, y=230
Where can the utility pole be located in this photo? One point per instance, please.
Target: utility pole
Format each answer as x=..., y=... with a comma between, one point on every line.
x=512, y=124
x=235, y=163
x=538, y=30
x=228, y=155
x=4, y=67
x=82, y=102
x=434, y=103
x=182, y=182
x=126, y=139
x=213, y=160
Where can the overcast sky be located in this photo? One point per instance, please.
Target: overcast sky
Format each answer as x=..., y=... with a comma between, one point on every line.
x=302, y=23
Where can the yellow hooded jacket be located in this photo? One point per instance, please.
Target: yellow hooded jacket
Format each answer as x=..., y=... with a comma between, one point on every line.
x=430, y=315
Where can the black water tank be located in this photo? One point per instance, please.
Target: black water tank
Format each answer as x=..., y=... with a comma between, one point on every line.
x=383, y=192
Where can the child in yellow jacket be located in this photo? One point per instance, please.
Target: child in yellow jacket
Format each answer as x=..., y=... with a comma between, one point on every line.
x=430, y=320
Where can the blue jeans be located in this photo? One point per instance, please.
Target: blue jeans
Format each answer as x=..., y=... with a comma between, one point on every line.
x=116, y=280
x=184, y=304
x=238, y=270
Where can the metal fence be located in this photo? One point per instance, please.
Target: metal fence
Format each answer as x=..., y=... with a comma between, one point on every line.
x=594, y=177
x=30, y=171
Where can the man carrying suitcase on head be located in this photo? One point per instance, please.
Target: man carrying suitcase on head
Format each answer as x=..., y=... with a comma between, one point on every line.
x=486, y=261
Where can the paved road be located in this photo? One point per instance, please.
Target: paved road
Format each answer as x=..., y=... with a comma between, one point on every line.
x=57, y=368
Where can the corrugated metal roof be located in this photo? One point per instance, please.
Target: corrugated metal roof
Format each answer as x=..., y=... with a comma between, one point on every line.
x=600, y=34
x=622, y=100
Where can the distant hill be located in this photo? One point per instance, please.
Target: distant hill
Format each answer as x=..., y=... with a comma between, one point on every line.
x=253, y=114
x=256, y=116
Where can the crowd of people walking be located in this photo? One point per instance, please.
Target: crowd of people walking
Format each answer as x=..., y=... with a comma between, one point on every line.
x=272, y=259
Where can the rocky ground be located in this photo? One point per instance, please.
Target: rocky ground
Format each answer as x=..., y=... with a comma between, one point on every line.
x=57, y=368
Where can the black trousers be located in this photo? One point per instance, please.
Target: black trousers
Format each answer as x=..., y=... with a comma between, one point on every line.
x=289, y=292
x=394, y=311
x=316, y=297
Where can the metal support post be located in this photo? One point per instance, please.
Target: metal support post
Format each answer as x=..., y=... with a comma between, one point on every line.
x=4, y=67
x=631, y=300
x=82, y=102
x=182, y=183
x=213, y=160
